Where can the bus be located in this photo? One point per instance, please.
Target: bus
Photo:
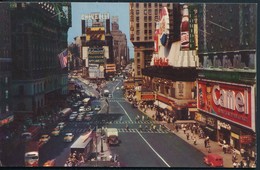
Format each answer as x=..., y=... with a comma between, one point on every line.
x=31, y=156
x=84, y=144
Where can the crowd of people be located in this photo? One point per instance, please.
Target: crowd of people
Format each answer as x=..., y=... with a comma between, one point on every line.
x=75, y=159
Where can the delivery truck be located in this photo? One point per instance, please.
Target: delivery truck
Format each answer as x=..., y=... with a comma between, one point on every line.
x=112, y=136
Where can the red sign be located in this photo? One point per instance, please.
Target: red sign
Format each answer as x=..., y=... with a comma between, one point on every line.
x=232, y=102
x=161, y=61
x=246, y=139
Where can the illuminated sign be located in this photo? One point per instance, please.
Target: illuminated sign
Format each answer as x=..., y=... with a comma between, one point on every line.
x=95, y=33
x=233, y=102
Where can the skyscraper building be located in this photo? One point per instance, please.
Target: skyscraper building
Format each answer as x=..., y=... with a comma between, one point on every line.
x=39, y=35
x=143, y=18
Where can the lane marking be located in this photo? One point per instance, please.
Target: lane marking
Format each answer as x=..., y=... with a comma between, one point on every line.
x=125, y=111
x=153, y=149
x=114, y=89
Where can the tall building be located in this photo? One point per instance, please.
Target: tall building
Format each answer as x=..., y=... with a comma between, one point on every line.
x=143, y=18
x=6, y=115
x=226, y=83
x=120, y=48
x=39, y=34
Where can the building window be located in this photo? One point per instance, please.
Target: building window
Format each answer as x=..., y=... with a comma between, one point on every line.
x=137, y=5
x=137, y=19
x=150, y=12
x=156, y=19
x=138, y=55
x=156, y=4
x=137, y=25
x=6, y=80
x=145, y=5
x=7, y=108
x=145, y=31
x=138, y=38
x=149, y=5
x=6, y=94
x=145, y=12
x=137, y=12
x=150, y=18
x=137, y=32
x=138, y=72
x=21, y=90
x=145, y=18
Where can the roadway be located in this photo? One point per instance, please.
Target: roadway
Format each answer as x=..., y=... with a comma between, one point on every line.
x=138, y=148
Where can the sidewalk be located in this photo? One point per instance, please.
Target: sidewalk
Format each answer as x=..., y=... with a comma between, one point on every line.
x=214, y=146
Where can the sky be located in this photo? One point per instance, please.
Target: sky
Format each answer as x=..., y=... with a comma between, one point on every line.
x=114, y=9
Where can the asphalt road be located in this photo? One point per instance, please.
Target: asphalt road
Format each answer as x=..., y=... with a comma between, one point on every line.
x=145, y=148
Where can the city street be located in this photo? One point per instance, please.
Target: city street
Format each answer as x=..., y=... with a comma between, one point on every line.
x=137, y=148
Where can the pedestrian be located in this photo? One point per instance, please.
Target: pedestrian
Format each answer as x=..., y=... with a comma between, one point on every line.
x=187, y=136
x=143, y=118
x=184, y=129
x=140, y=127
x=194, y=141
x=241, y=164
x=247, y=161
x=205, y=143
x=177, y=128
x=209, y=151
x=127, y=127
x=235, y=164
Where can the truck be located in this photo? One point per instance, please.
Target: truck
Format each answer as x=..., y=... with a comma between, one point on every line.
x=112, y=136
x=106, y=93
x=66, y=112
x=31, y=156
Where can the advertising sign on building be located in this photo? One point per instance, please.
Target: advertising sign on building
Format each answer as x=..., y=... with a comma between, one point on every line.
x=233, y=102
x=96, y=55
x=95, y=33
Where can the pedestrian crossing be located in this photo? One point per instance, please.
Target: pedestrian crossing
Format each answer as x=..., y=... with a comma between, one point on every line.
x=124, y=130
x=120, y=130
x=117, y=100
x=123, y=122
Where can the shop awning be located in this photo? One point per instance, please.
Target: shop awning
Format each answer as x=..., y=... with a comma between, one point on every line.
x=169, y=108
x=184, y=121
x=160, y=104
x=193, y=109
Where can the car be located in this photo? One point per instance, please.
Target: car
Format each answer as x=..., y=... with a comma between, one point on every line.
x=117, y=88
x=110, y=95
x=213, y=160
x=82, y=110
x=79, y=118
x=61, y=125
x=55, y=132
x=87, y=117
x=88, y=109
x=97, y=108
x=122, y=87
x=44, y=138
x=68, y=137
x=72, y=117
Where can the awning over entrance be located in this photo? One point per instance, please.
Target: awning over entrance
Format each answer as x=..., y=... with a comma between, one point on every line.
x=160, y=104
x=184, y=121
x=193, y=109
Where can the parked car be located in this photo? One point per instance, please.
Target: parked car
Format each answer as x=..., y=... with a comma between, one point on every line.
x=79, y=118
x=55, y=132
x=61, y=125
x=45, y=138
x=68, y=137
x=213, y=160
x=87, y=118
x=117, y=88
x=88, y=109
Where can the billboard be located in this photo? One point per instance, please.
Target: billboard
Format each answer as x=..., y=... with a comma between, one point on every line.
x=95, y=33
x=233, y=102
x=96, y=55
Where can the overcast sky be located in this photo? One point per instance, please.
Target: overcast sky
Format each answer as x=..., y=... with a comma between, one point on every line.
x=114, y=9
